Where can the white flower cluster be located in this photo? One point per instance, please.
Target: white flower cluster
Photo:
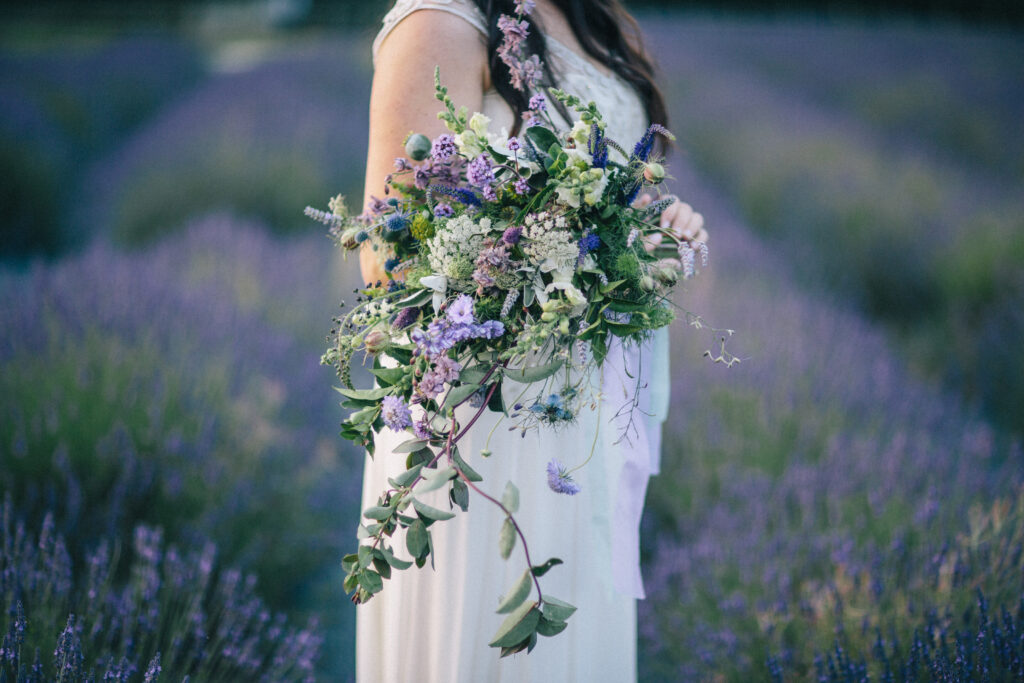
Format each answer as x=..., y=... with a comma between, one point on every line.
x=455, y=246
x=549, y=247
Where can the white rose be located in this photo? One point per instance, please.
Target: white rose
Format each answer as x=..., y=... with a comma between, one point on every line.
x=478, y=124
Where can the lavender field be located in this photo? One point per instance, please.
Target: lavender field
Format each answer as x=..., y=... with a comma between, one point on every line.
x=846, y=503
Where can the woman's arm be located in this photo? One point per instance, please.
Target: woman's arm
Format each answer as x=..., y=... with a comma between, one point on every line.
x=402, y=100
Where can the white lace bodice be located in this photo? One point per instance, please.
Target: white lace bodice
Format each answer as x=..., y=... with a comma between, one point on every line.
x=618, y=102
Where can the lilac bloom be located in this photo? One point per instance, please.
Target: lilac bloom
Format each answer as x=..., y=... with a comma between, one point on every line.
x=443, y=148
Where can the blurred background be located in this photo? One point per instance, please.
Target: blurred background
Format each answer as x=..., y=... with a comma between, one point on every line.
x=845, y=501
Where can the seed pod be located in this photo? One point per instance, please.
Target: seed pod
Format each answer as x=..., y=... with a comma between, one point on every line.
x=376, y=341
x=653, y=173
x=417, y=147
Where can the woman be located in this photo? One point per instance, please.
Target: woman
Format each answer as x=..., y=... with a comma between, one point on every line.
x=435, y=625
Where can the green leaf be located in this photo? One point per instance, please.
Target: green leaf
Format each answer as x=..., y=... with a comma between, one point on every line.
x=420, y=457
x=371, y=581
x=497, y=403
x=548, y=627
x=407, y=477
x=390, y=558
x=541, y=137
x=542, y=569
x=416, y=299
x=466, y=469
x=427, y=512
x=351, y=583
x=389, y=376
x=517, y=626
x=475, y=374
x=410, y=446
x=459, y=494
x=382, y=567
x=610, y=286
x=416, y=538
x=365, y=554
x=519, y=592
x=557, y=610
x=507, y=538
x=435, y=479
x=349, y=562
x=534, y=373
x=364, y=394
x=377, y=512
x=510, y=498
x=457, y=395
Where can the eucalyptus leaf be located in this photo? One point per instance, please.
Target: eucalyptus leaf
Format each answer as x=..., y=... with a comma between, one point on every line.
x=466, y=469
x=518, y=593
x=390, y=558
x=427, y=512
x=547, y=627
x=474, y=374
x=457, y=395
x=410, y=446
x=364, y=394
x=435, y=479
x=416, y=538
x=382, y=567
x=349, y=562
x=351, y=583
x=510, y=498
x=407, y=477
x=557, y=610
x=378, y=513
x=459, y=494
x=506, y=538
x=535, y=373
x=517, y=626
x=365, y=554
x=371, y=581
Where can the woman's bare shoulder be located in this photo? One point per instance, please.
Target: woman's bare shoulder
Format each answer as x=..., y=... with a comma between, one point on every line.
x=452, y=23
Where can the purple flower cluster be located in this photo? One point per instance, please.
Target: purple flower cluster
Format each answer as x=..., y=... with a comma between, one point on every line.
x=443, y=148
x=524, y=73
x=458, y=325
x=443, y=210
x=480, y=172
x=588, y=243
x=444, y=370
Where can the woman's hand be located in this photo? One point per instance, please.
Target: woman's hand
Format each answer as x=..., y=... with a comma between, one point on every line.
x=679, y=219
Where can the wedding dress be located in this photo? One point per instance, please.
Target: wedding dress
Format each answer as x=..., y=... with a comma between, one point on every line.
x=435, y=625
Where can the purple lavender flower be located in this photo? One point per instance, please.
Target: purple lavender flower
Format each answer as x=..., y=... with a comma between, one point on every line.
x=396, y=413
x=483, y=278
x=512, y=234
x=521, y=186
x=443, y=148
x=526, y=74
x=513, y=30
x=538, y=103
x=405, y=317
x=560, y=481
x=489, y=193
x=589, y=242
x=513, y=144
x=461, y=310
x=443, y=210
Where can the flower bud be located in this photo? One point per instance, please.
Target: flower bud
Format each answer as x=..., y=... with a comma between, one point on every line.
x=376, y=341
x=417, y=147
x=647, y=283
x=548, y=316
x=667, y=275
x=654, y=173
x=563, y=326
x=349, y=238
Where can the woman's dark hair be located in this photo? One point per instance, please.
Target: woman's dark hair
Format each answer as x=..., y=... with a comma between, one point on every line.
x=598, y=26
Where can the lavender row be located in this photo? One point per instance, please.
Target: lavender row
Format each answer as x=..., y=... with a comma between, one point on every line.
x=258, y=141
x=181, y=387
x=925, y=246
x=179, y=616
x=816, y=460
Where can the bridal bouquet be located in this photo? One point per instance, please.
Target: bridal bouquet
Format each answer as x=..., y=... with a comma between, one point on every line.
x=508, y=260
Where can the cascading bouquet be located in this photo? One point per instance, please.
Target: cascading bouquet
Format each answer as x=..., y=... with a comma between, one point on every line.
x=508, y=259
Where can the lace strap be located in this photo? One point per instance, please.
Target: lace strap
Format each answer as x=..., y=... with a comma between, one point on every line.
x=404, y=8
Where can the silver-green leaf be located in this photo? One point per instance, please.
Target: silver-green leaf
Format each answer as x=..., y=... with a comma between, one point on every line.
x=557, y=610
x=517, y=595
x=427, y=512
x=517, y=626
x=510, y=498
x=507, y=538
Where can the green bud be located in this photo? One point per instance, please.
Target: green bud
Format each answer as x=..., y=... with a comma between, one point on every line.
x=417, y=147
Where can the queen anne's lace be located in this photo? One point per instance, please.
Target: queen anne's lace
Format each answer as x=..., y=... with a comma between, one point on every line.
x=456, y=245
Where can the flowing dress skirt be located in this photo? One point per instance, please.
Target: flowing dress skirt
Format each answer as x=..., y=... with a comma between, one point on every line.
x=434, y=625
